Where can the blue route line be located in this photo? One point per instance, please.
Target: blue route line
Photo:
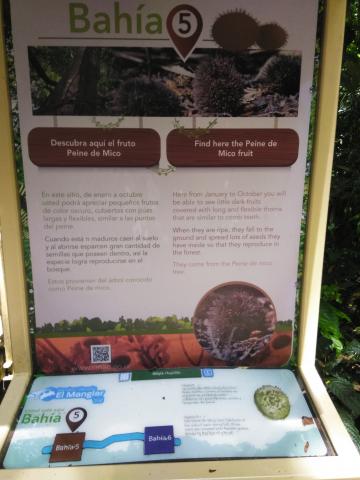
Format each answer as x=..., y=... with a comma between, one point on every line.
x=99, y=444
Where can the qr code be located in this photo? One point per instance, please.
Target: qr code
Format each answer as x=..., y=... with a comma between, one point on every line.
x=100, y=354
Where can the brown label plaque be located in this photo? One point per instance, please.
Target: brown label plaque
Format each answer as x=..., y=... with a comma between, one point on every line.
x=67, y=447
x=94, y=147
x=256, y=147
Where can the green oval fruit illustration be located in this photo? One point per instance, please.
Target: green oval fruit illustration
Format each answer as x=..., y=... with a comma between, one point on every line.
x=272, y=402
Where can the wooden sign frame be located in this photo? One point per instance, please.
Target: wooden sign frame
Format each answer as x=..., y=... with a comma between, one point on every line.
x=346, y=463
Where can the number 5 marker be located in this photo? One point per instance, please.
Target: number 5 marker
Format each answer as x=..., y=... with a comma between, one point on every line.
x=184, y=25
x=75, y=418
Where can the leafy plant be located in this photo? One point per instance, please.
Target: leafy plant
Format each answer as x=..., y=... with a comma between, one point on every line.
x=350, y=425
x=344, y=391
x=338, y=353
x=18, y=163
x=331, y=318
x=347, y=401
x=338, y=358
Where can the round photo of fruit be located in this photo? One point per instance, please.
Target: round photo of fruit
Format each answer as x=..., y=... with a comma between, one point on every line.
x=234, y=322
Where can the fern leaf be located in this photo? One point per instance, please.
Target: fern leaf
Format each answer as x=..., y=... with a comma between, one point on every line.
x=329, y=326
x=344, y=391
x=350, y=425
x=353, y=349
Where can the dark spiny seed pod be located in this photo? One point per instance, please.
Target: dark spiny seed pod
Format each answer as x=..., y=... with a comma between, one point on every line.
x=235, y=31
x=227, y=316
x=141, y=97
x=271, y=36
x=284, y=74
x=218, y=87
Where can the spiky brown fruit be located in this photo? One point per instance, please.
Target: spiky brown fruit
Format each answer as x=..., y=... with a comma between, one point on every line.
x=235, y=31
x=218, y=87
x=234, y=322
x=271, y=36
x=140, y=97
x=283, y=74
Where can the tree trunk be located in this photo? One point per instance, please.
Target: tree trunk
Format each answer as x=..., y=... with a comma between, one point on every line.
x=86, y=102
x=66, y=89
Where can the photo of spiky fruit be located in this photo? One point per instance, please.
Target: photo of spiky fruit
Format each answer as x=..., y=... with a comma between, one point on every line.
x=272, y=402
x=283, y=73
x=218, y=87
x=234, y=322
x=155, y=82
x=143, y=97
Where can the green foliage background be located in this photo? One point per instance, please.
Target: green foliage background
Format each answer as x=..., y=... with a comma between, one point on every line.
x=338, y=353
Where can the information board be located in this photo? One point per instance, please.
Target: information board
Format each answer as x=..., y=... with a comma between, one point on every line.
x=222, y=413
x=164, y=147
